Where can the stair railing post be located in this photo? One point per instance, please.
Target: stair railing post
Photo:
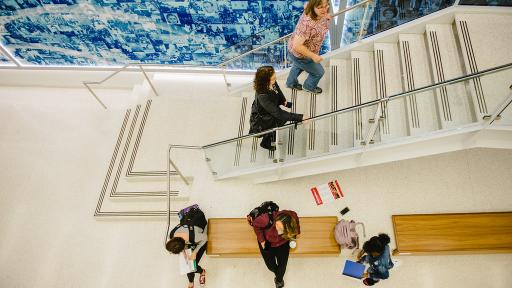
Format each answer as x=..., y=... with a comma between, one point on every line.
x=375, y=123
x=365, y=15
x=149, y=81
x=228, y=85
x=86, y=84
x=168, y=195
x=489, y=119
x=285, y=50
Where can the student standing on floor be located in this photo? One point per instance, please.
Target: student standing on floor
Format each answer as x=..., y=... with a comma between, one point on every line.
x=305, y=43
x=265, y=111
x=274, y=242
x=376, y=253
x=192, y=234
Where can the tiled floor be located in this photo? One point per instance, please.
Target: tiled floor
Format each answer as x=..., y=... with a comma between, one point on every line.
x=454, y=182
x=54, y=160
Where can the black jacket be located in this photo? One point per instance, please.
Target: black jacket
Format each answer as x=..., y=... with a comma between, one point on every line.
x=266, y=113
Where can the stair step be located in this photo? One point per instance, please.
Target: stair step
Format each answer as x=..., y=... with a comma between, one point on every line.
x=389, y=82
x=485, y=41
x=363, y=90
x=421, y=107
x=454, y=105
x=342, y=127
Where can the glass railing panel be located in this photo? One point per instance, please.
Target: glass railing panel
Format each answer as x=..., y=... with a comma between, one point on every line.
x=488, y=93
x=384, y=15
x=274, y=54
x=453, y=106
x=239, y=155
x=506, y=114
x=486, y=2
x=341, y=129
x=444, y=107
x=267, y=55
x=335, y=133
x=353, y=22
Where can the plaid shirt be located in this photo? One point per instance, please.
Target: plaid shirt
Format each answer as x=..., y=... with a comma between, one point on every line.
x=311, y=30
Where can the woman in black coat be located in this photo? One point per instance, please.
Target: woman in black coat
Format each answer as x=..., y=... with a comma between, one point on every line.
x=265, y=112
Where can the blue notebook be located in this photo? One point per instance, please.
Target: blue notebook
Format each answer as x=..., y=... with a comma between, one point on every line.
x=353, y=269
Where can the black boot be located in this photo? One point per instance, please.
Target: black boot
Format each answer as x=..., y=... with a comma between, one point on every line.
x=279, y=284
x=266, y=143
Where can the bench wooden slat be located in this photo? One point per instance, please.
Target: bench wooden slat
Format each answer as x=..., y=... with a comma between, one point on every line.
x=453, y=233
x=233, y=237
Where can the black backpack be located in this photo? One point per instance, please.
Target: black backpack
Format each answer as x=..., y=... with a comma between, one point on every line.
x=268, y=207
x=190, y=217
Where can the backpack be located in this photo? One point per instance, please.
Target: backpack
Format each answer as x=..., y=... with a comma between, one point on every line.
x=346, y=234
x=268, y=207
x=190, y=216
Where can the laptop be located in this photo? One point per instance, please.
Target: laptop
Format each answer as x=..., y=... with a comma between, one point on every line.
x=353, y=269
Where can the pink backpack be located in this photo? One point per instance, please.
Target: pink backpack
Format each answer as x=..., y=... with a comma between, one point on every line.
x=346, y=234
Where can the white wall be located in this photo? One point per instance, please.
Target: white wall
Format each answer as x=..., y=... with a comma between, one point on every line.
x=55, y=145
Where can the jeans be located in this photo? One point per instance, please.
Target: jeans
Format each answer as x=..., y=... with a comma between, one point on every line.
x=276, y=259
x=199, y=270
x=315, y=70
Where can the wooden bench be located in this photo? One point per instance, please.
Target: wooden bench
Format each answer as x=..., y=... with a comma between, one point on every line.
x=464, y=233
x=233, y=237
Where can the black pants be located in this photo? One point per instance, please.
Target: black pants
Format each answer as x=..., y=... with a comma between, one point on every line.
x=276, y=259
x=266, y=141
x=199, y=270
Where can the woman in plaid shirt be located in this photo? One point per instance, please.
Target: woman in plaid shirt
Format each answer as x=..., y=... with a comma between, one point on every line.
x=305, y=43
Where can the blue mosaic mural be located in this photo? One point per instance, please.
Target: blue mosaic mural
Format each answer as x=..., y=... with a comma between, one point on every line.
x=189, y=32
x=386, y=14
x=3, y=59
x=487, y=2
x=274, y=54
x=108, y=32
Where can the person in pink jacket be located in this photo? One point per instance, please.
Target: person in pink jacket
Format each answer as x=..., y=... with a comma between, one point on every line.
x=274, y=242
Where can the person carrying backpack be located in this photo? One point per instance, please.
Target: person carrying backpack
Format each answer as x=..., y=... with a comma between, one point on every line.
x=274, y=230
x=376, y=253
x=190, y=233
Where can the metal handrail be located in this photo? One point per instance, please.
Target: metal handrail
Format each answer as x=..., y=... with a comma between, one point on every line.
x=221, y=65
x=286, y=36
x=373, y=102
x=140, y=67
x=169, y=164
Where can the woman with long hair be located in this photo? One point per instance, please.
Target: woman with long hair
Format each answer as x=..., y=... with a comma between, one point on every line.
x=274, y=242
x=265, y=111
x=305, y=43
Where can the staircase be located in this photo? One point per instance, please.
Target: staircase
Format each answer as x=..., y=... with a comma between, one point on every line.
x=387, y=97
x=445, y=45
